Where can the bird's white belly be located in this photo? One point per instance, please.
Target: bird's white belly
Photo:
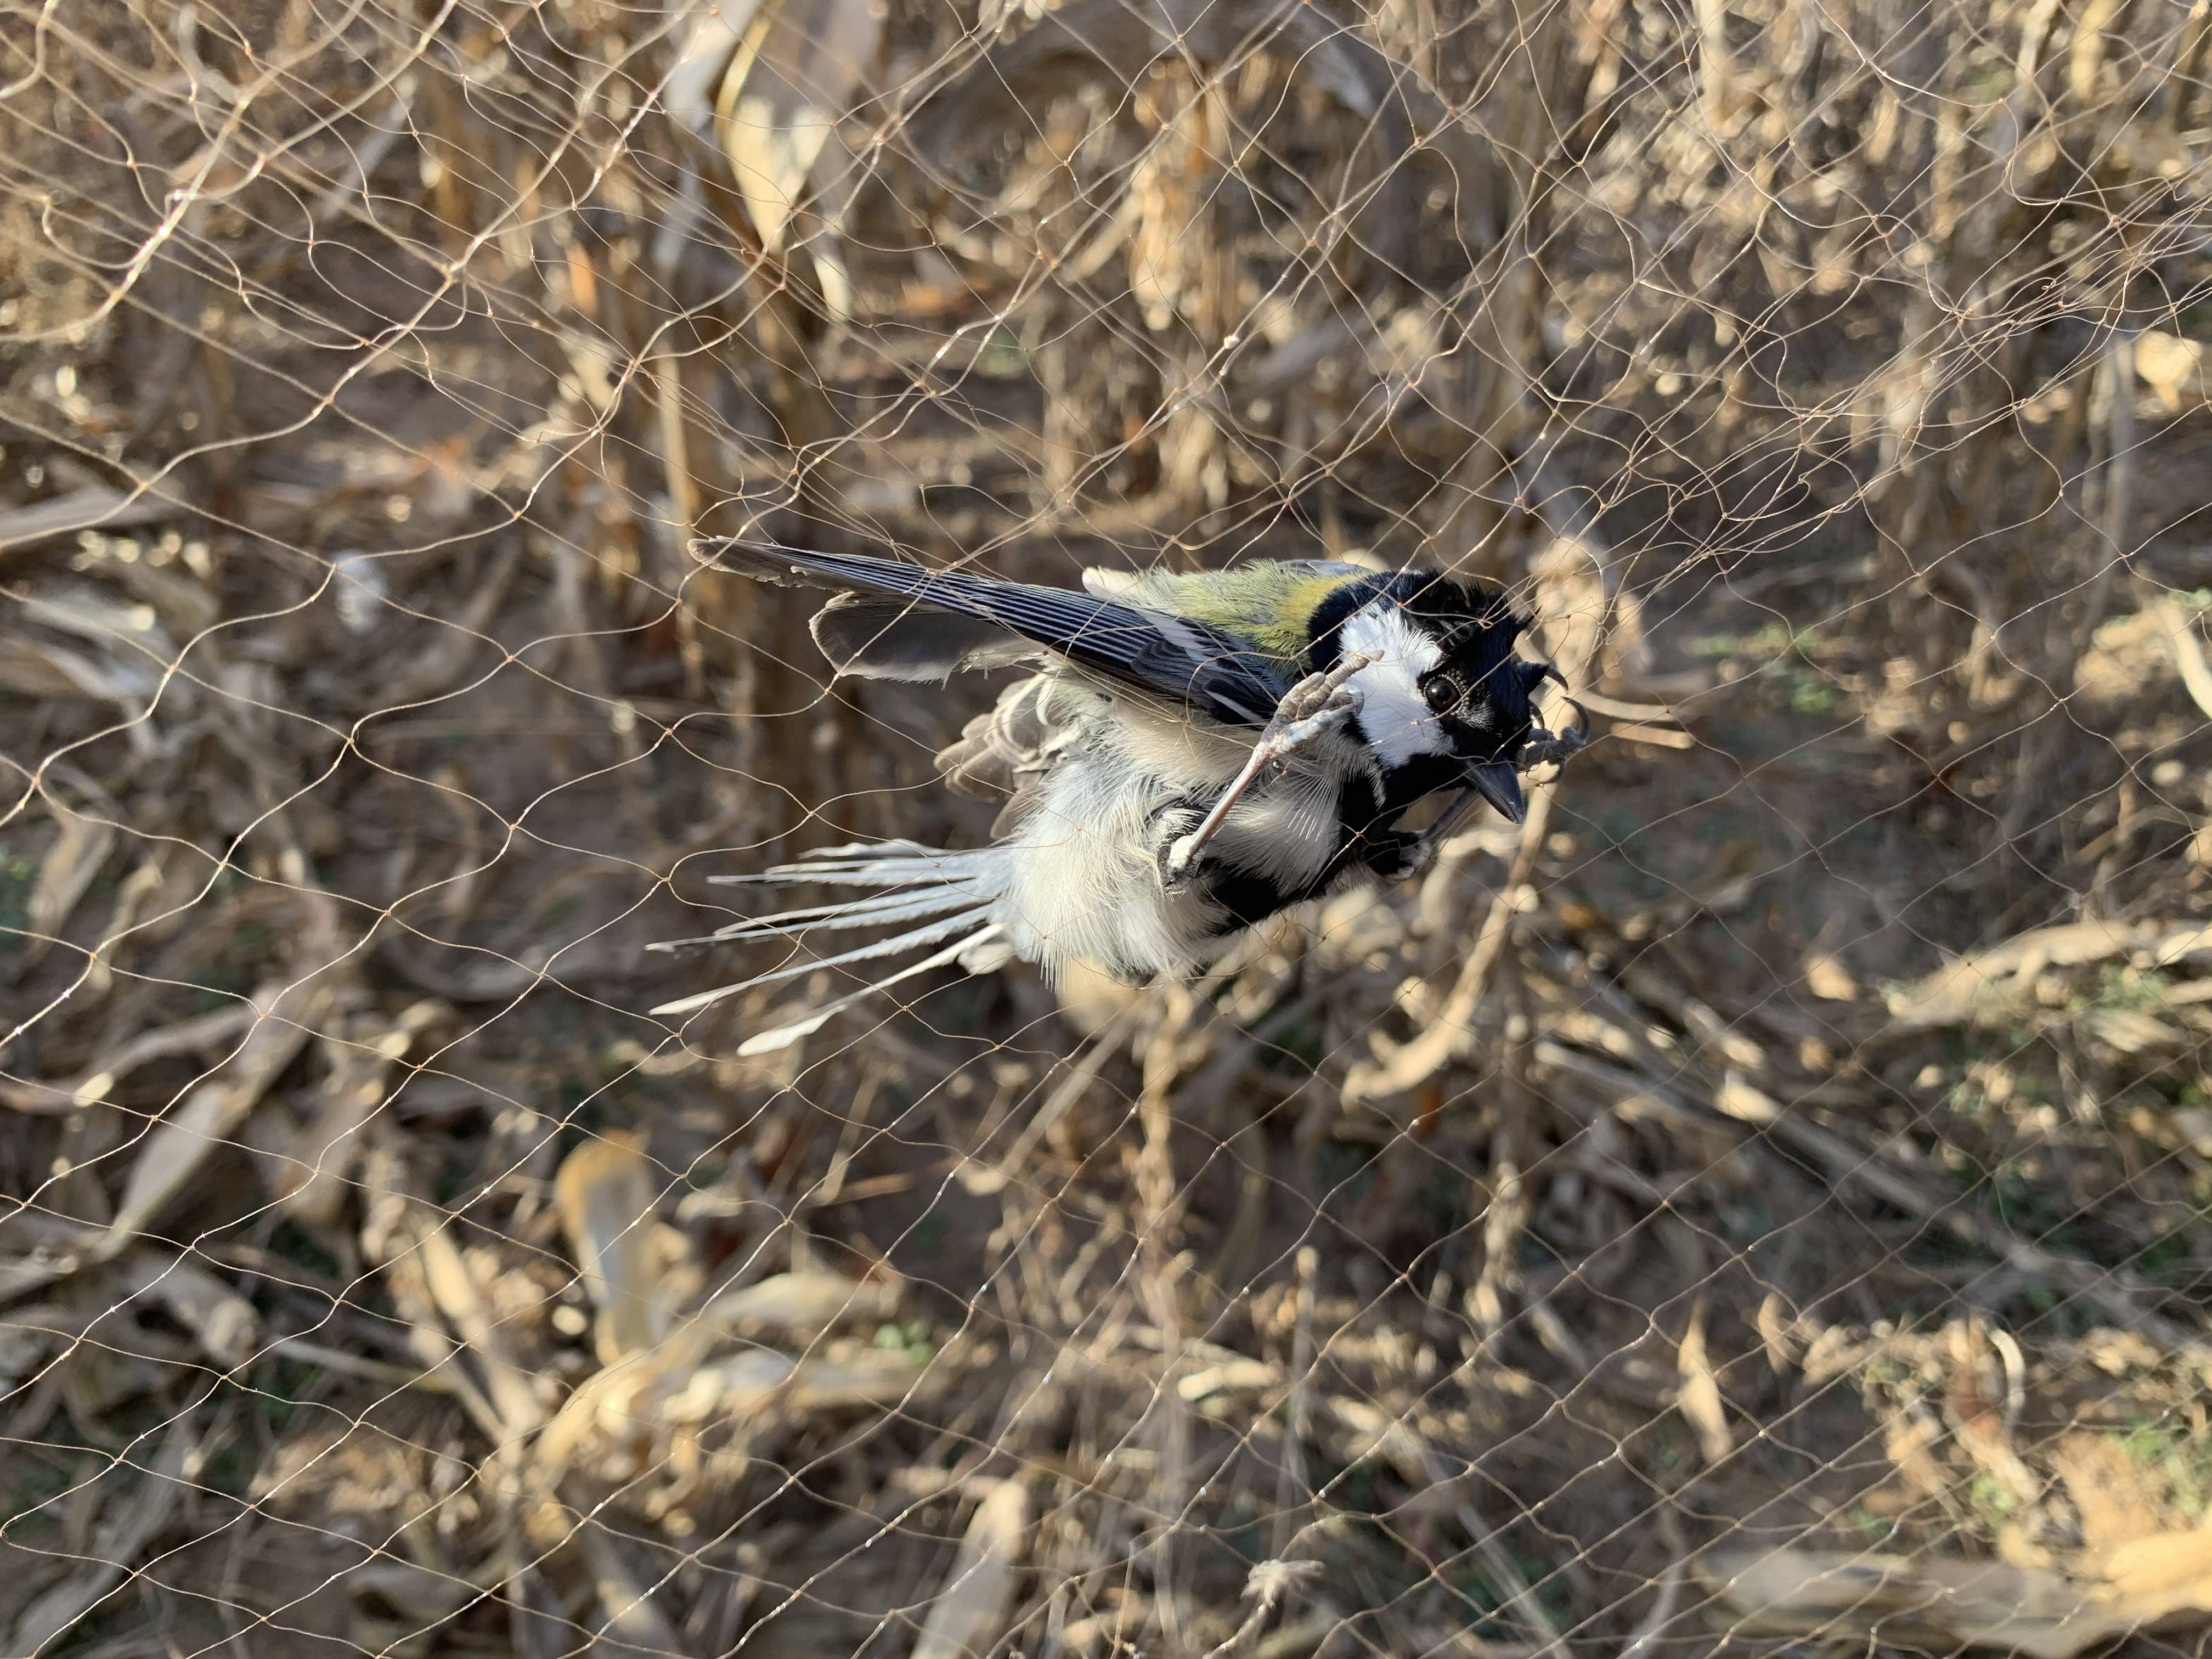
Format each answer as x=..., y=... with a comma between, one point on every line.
x=1084, y=883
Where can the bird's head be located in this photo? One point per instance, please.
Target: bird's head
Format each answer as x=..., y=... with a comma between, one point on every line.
x=1445, y=693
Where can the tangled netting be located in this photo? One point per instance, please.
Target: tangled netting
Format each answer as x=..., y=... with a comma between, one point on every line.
x=1762, y=1204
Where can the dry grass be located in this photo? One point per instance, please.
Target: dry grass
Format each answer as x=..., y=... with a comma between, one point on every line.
x=1766, y=1204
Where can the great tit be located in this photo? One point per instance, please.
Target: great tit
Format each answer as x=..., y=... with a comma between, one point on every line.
x=1191, y=754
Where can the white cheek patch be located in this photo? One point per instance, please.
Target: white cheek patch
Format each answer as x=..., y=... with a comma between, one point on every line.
x=1393, y=716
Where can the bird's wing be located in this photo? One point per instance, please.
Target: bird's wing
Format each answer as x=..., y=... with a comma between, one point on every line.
x=1191, y=663
x=1008, y=754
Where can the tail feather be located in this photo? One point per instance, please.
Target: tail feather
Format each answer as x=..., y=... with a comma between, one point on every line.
x=782, y=1037
x=889, y=864
x=876, y=911
x=913, y=938
x=946, y=897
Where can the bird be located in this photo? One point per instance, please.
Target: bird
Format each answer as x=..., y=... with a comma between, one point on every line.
x=1189, y=754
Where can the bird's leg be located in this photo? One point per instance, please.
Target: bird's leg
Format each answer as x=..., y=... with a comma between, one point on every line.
x=1317, y=704
x=1417, y=852
x=1555, y=748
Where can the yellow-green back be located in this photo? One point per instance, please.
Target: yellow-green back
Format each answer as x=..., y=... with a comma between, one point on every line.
x=1268, y=602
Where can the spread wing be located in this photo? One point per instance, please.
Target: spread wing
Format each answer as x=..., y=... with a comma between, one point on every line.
x=1007, y=754
x=1190, y=662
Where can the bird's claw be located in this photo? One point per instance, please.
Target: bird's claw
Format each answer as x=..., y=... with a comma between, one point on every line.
x=1176, y=859
x=1317, y=704
x=1316, y=694
x=1546, y=748
x=1183, y=831
x=1283, y=736
x=1414, y=859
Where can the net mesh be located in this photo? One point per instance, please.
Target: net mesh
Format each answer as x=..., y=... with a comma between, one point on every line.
x=1760, y=1202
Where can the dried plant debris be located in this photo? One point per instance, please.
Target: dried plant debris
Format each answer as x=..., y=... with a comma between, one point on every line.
x=1761, y=1204
x=2142, y=1587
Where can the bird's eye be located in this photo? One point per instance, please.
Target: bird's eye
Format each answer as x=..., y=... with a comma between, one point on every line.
x=1441, y=694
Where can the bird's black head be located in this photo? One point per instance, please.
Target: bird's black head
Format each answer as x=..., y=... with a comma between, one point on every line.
x=1469, y=708
x=1481, y=692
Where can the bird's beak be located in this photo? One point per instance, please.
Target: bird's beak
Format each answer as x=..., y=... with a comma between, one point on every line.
x=1496, y=784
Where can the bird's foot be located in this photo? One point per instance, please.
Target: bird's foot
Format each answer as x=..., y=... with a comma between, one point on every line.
x=1177, y=844
x=1546, y=748
x=1399, y=857
x=1316, y=705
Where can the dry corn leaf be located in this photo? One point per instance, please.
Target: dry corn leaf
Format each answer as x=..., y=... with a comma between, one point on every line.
x=2173, y=367
x=743, y=1383
x=703, y=60
x=433, y=1347
x=612, y=1419
x=2131, y=1031
x=635, y=1622
x=1956, y=992
x=453, y=1288
x=96, y=505
x=157, y=1043
x=221, y=1321
x=1894, y=1600
x=130, y=633
x=284, y=1018
x=40, y=669
x=67, y=869
x=1698, y=1397
x=800, y=1305
x=1238, y=1375
x=185, y=604
x=41, y=1249
x=314, y=1184
x=130, y=1525
x=604, y=1193
x=1828, y=979
x=970, y=1612
x=737, y=1385
x=619, y=1420
x=796, y=73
